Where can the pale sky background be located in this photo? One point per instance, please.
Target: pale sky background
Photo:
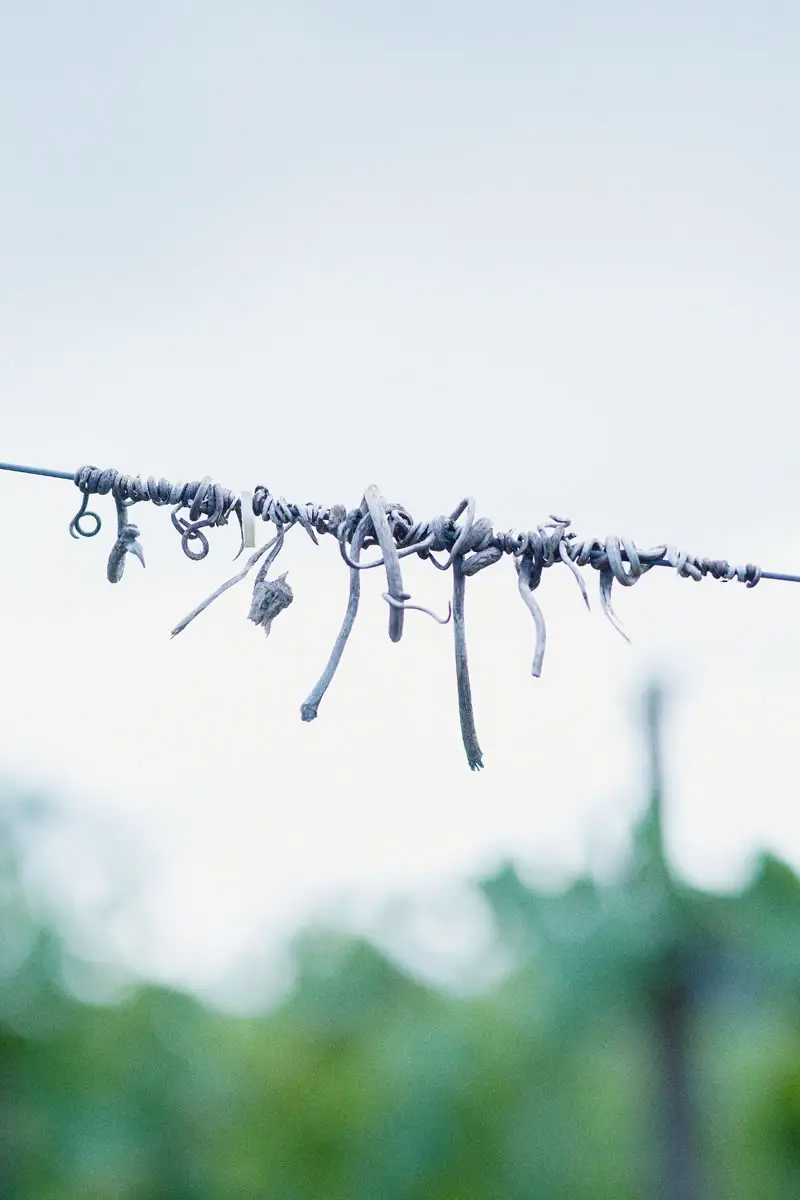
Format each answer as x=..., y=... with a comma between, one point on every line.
x=543, y=254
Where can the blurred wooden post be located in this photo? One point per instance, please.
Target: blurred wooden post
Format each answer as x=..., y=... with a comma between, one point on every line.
x=672, y=1007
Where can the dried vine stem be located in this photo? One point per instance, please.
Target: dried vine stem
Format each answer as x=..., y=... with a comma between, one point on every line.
x=469, y=545
x=310, y=706
x=469, y=734
x=229, y=583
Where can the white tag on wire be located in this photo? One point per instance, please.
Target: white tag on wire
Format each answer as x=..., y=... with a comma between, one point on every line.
x=248, y=521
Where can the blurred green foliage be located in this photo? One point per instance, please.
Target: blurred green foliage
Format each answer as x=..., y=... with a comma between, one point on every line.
x=647, y=1043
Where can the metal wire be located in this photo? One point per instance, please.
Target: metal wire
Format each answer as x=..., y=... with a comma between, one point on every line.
x=37, y=471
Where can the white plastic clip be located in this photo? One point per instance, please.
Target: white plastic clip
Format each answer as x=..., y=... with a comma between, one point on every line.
x=248, y=521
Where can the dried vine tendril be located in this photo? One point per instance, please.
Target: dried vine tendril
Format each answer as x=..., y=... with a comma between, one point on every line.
x=459, y=542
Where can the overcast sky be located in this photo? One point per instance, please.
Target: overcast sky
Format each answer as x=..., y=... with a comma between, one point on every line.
x=542, y=254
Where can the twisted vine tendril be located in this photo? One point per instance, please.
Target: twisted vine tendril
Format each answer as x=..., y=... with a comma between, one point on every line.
x=460, y=542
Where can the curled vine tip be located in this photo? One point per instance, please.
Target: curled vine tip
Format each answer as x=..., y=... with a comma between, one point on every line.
x=77, y=529
x=402, y=602
x=563, y=554
x=526, y=581
x=606, y=583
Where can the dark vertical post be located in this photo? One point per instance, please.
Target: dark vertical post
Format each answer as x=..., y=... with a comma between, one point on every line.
x=673, y=1012
x=672, y=1002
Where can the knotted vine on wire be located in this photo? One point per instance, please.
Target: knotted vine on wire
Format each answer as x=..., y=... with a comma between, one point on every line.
x=461, y=542
x=209, y=504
